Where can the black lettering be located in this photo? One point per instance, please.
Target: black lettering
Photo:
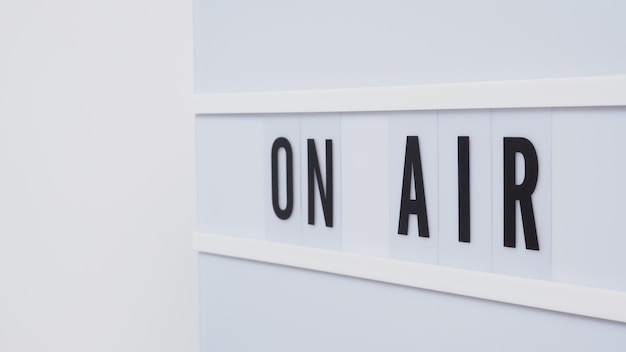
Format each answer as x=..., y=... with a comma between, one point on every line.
x=464, y=188
x=282, y=143
x=408, y=206
x=522, y=192
x=315, y=174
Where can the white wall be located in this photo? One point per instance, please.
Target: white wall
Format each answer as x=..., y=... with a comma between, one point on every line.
x=96, y=176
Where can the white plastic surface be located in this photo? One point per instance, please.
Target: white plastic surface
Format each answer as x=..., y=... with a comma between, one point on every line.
x=365, y=197
x=270, y=45
x=589, y=196
x=230, y=175
x=248, y=305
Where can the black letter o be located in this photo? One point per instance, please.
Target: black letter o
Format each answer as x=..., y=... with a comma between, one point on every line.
x=283, y=143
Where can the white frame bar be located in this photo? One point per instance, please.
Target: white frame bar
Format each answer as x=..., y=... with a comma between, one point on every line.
x=580, y=300
x=563, y=92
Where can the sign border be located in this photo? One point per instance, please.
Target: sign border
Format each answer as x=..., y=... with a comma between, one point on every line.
x=536, y=93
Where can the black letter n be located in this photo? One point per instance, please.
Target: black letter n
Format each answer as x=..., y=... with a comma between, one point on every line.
x=315, y=174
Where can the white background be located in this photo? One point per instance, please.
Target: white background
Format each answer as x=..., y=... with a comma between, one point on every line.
x=96, y=176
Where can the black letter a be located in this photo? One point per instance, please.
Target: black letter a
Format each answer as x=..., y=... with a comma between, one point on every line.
x=413, y=170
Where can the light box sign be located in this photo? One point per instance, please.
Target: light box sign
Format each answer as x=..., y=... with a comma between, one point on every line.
x=522, y=192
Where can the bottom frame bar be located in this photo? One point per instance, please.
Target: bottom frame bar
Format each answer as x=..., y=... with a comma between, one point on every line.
x=559, y=297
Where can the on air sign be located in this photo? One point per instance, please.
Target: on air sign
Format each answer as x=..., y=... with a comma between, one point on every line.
x=412, y=196
x=468, y=189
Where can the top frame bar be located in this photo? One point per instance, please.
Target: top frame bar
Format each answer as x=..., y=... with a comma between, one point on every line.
x=563, y=92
